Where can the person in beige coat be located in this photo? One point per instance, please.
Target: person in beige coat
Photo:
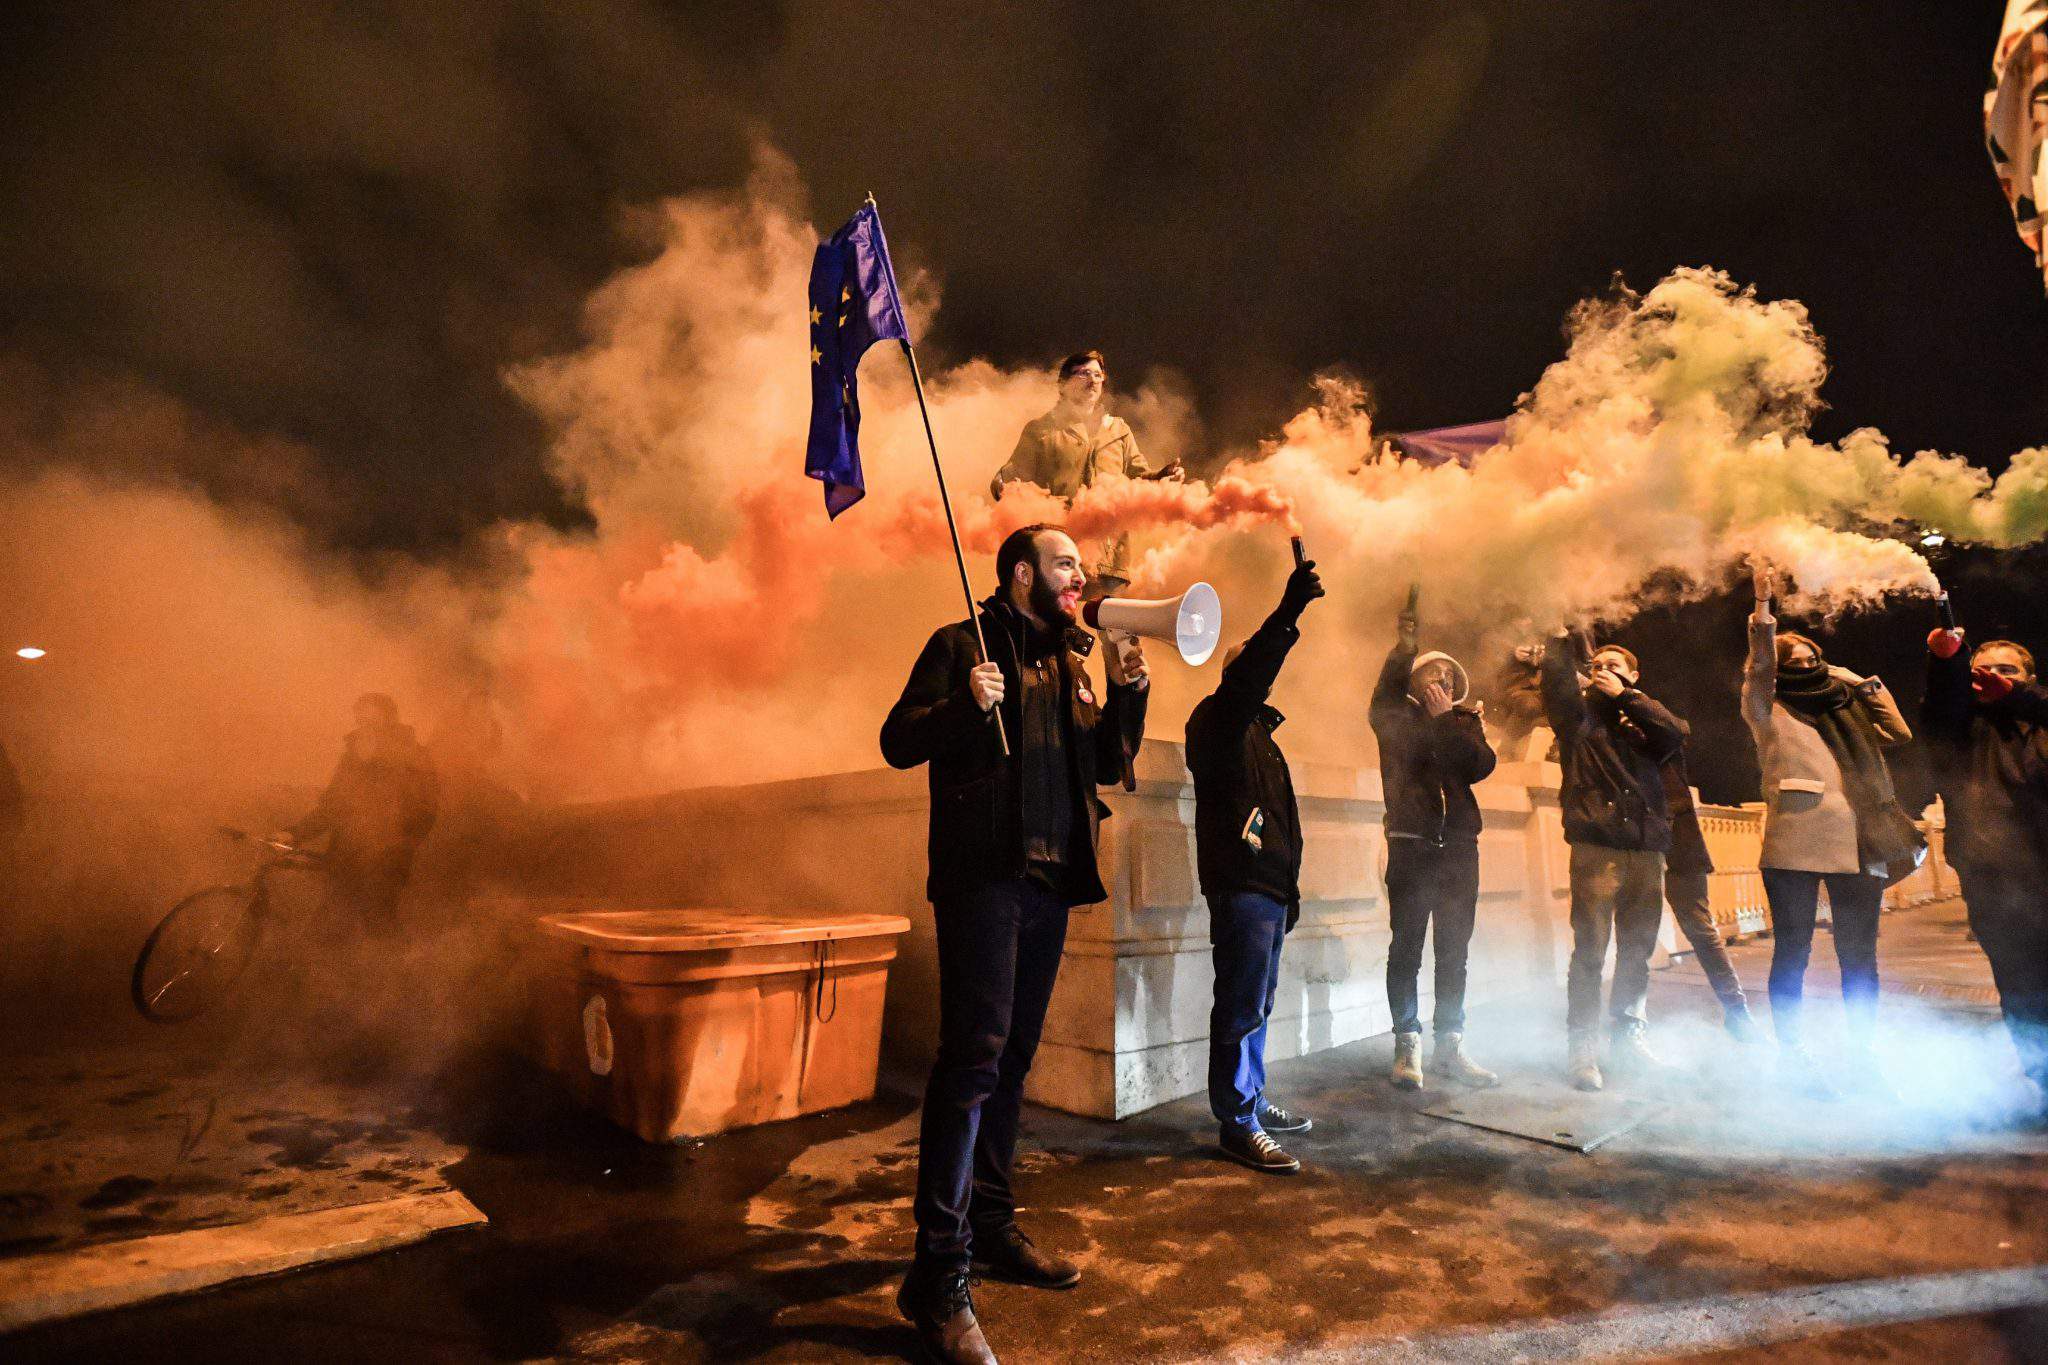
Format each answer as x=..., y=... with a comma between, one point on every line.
x=1076, y=445
x=1831, y=818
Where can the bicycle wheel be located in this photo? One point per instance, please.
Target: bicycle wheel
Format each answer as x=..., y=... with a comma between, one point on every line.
x=195, y=954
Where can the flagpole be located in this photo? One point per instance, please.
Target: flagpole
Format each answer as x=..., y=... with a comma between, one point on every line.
x=946, y=501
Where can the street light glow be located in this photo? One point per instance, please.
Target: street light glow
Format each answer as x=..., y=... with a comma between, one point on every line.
x=1933, y=538
x=28, y=652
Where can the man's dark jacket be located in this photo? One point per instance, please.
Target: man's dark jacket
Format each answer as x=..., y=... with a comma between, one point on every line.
x=379, y=807
x=977, y=827
x=1427, y=763
x=1610, y=750
x=1238, y=768
x=1990, y=762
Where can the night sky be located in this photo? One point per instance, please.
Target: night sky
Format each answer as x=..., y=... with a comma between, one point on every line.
x=339, y=224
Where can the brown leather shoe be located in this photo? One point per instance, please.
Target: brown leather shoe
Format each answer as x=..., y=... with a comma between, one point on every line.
x=941, y=1307
x=1005, y=1253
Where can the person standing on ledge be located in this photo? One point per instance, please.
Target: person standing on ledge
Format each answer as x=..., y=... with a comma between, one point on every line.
x=1076, y=445
x=1248, y=852
x=1012, y=848
x=1611, y=741
x=1432, y=750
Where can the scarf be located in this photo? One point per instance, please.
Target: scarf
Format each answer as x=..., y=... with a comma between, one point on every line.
x=1884, y=836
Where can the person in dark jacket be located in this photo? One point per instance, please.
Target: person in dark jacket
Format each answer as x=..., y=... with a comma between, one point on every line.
x=1248, y=853
x=1012, y=849
x=1986, y=725
x=1432, y=749
x=1688, y=879
x=377, y=809
x=1611, y=741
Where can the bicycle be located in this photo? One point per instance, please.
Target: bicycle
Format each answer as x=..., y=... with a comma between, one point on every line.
x=200, y=948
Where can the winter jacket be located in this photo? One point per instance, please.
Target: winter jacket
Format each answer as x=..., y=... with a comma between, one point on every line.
x=1809, y=825
x=378, y=806
x=1427, y=763
x=1990, y=763
x=1247, y=827
x=1610, y=750
x=977, y=833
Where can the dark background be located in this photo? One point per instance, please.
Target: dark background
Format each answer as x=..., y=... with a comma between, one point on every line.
x=338, y=223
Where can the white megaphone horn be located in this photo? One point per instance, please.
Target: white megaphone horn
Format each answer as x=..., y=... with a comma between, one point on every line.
x=1193, y=622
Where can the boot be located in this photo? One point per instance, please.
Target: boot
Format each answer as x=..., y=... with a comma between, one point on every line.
x=1628, y=1052
x=1407, y=1061
x=1582, y=1061
x=1741, y=1024
x=1005, y=1253
x=941, y=1307
x=1449, y=1058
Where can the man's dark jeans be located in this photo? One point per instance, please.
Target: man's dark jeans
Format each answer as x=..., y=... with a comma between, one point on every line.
x=2010, y=919
x=1246, y=930
x=999, y=954
x=1856, y=900
x=1690, y=897
x=1430, y=885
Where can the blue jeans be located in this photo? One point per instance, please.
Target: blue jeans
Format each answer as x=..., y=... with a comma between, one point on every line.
x=999, y=954
x=1246, y=930
x=1856, y=899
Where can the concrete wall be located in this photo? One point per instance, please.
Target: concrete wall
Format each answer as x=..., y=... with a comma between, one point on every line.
x=1128, y=1028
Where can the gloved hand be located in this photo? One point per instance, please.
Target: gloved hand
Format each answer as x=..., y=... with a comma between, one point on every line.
x=1944, y=644
x=1990, y=686
x=1303, y=587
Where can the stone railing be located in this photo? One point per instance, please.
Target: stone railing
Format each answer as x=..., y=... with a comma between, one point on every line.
x=1129, y=1023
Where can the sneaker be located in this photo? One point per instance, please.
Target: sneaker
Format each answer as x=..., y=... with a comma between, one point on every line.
x=1005, y=1253
x=1253, y=1148
x=1449, y=1057
x=1741, y=1024
x=1628, y=1053
x=1799, y=1070
x=941, y=1308
x=1407, y=1073
x=1582, y=1062
x=1274, y=1119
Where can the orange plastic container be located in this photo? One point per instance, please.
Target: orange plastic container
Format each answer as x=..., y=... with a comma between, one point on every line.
x=679, y=1023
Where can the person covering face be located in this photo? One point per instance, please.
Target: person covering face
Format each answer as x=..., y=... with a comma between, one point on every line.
x=1985, y=720
x=1433, y=749
x=1831, y=818
x=1612, y=740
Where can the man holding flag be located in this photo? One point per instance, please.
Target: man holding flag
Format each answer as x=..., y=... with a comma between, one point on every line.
x=1016, y=744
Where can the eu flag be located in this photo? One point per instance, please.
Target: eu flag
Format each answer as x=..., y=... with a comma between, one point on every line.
x=854, y=304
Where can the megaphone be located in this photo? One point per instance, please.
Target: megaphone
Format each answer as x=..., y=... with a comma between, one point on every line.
x=1193, y=621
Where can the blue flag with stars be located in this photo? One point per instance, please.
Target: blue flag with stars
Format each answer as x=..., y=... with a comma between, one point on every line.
x=854, y=304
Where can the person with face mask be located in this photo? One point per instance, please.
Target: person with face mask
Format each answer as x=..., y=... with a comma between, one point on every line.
x=1248, y=854
x=1612, y=741
x=1985, y=720
x=1830, y=818
x=1076, y=445
x=1013, y=847
x=1432, y=750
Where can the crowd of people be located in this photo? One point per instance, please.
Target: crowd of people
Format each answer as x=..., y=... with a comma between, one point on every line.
x=1016, y=741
